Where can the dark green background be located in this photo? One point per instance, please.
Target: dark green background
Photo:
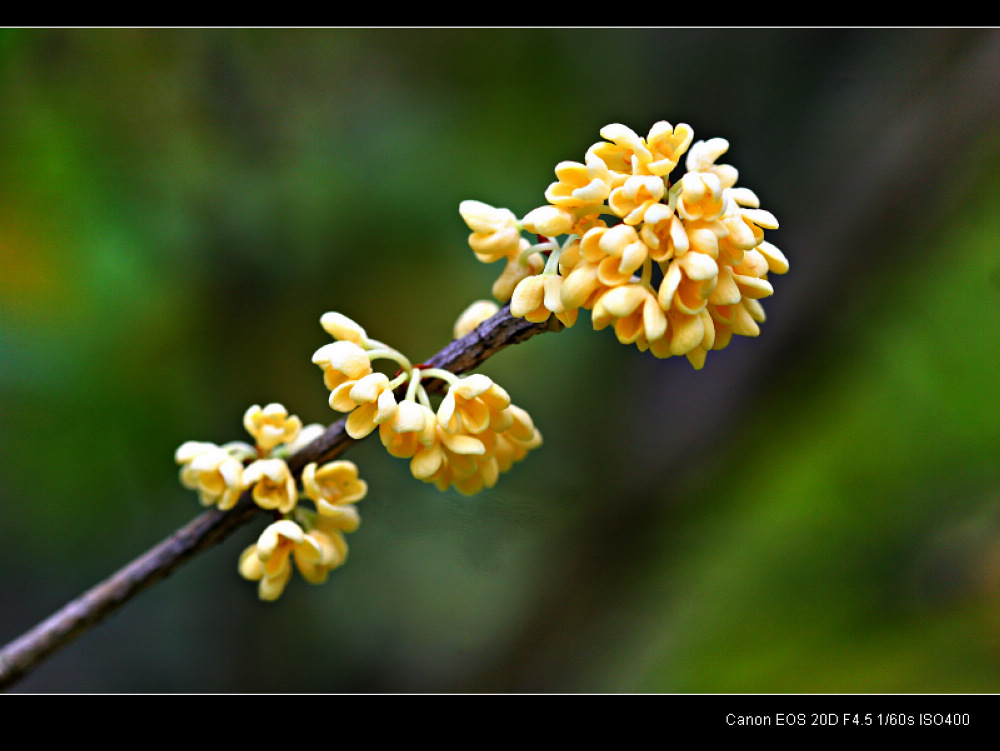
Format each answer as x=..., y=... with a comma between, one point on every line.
x=818, y=510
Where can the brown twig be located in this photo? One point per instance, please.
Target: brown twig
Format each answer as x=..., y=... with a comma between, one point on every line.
x=22, y=655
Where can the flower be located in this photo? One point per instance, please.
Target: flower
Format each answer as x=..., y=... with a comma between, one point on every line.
x=413, y=425
x=273, y=484
x=537, y=297
x=667, y=145
x=579, y=184
x=473, y=404
x=631, y=200
x=683, y=269
x=341, y=327
x=471, y=462
x=370, y=401
x=271, y=425
x=495, y=232
x=343, y=362
x=269, y=560
x=450, y=458
x=327, y=535
x=515, y=442
x=211, y=470
x=549, y=221
x=634, y=311
x=334, y=488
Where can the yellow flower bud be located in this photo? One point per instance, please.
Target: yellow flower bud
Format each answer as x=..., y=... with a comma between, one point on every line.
x=341, y=327
x=549, y=221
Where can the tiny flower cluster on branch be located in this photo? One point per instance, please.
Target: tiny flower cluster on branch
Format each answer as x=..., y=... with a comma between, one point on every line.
x=311, y=537
x=676, y=267
x=474, y=435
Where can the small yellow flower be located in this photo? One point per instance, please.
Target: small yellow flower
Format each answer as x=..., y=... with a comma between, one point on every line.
x=634, y=311
x=269, y=560
x=495, y=232
x=579, y=184
x=341, y=327
x=369, y=400
x=537, y=297
x=515, y=442
x=211, y=470
x=329, y=545
x=473, y=404
x=664, y=233
x=701, y=196
x=618, y=252
x=470, y=462
x=271, y=425
x=334, y=488
x=702, y=156
x=667, y=144
x=273, y=484
x=450, y=457
x=635, y=196
x=343, y=363
x=528, y=300
x=625, y=154
x=549, y=221
x=688, y=283
x=412, y=426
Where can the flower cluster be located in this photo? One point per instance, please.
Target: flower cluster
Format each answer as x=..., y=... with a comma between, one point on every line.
x=673, y=264
x=312, y=538
x=676, y=267
x=475, y=433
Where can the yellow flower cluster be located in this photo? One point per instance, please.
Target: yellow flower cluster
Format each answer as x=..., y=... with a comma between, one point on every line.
x=676, y=267
x=673, y=260
x=475, y=434
x=313, y=539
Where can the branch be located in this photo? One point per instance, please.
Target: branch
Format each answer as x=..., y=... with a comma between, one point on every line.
x=25, y=653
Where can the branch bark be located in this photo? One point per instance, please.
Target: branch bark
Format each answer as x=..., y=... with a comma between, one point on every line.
x=25, y=653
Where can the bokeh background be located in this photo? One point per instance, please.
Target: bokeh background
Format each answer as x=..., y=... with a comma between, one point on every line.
x=818, y=510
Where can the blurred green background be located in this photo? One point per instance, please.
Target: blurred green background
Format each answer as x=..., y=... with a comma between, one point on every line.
x=818, y=510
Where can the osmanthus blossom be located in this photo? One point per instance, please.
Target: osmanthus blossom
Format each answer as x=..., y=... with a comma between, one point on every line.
x=496, y=233
x=538, y=297
x=274, y=487
x=412, y=426
x=370, y=402
x=470, y=462
x=271, y=425
x=474, y=403
x=213, y=471
x=343, y=362
x=691, y=244
x=270, y=560
x=335, y=487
